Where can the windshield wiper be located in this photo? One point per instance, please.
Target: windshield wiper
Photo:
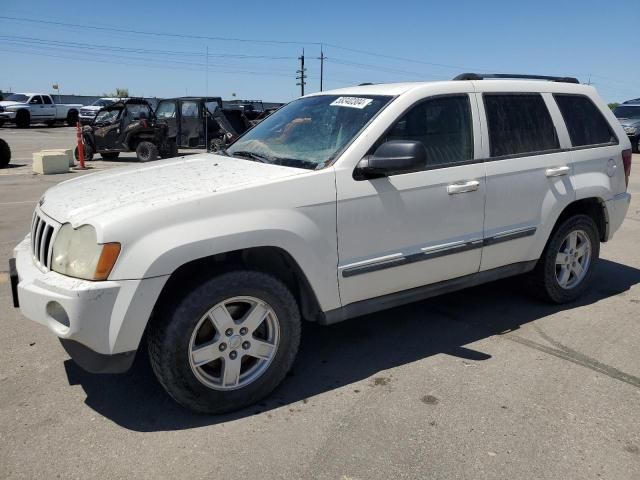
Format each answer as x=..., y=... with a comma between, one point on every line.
x=251, y=156
x=296, y=163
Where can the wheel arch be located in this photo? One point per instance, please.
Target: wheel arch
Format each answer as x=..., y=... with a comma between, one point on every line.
x=272, y=260
x=593, y=207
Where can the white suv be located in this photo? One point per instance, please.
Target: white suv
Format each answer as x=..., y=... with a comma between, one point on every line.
x=339, y=204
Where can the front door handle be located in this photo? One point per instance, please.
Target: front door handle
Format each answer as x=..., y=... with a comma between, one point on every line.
x=463, y=187
x=556, y=172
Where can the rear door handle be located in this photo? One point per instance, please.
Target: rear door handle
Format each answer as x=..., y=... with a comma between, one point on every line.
x=463, y=187
x=556, y=172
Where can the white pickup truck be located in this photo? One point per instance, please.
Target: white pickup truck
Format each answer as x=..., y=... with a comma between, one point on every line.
x=27, y=108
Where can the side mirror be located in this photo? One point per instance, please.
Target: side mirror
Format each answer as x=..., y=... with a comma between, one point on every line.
x=393, y=158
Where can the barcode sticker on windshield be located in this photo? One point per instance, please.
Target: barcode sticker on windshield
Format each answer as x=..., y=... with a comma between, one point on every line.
x=351, y=102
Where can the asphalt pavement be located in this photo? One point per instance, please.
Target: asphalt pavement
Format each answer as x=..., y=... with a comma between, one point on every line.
x=485, y=383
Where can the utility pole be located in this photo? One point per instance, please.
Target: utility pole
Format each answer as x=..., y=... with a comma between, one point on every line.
x=322, y=59
x=302, y=73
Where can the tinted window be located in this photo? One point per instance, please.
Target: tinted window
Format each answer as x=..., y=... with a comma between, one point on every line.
x=519, y=124
x=586, y=124
x=444, y=127
x=47, y=100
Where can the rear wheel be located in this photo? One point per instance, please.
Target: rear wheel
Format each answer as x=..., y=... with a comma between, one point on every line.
x=146, y=151
x=5, y=154
x=565, y=269
x=226, y=343
x=88, y=153
x=110, y=155
x=72, y=118
x=23, y=119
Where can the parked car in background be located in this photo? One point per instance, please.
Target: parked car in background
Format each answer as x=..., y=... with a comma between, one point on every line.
x=339, y=204
x=201, y=122
x=89, y=112
x=26, y=108
x=126, y=126
x=629, y=115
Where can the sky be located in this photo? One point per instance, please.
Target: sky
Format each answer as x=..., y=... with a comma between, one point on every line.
x=159, y=48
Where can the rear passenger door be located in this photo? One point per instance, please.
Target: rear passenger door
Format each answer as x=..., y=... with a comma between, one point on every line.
x=528, y=174
x=48, y=107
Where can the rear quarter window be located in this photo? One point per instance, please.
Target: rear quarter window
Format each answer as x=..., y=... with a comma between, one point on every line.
x=519, y=124
x=585, y=122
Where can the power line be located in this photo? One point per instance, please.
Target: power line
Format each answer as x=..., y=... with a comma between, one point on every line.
x=159, y=34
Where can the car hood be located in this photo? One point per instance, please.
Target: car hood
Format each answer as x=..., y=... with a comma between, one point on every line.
x=8, y=103
x=131, y=191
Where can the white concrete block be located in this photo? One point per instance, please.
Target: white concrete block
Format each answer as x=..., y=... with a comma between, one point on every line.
x=62, y=151
x=47, y=163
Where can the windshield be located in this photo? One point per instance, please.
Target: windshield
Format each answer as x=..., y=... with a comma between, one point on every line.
x=309, y=132
x=107, y=116
x=103, y=102
x=17, y=97
x=627, y=112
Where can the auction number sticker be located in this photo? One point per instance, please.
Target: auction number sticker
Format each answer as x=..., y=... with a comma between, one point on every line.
x=351, y=102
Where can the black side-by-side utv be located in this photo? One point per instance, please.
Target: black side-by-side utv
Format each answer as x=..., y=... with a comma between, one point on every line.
x=127, y=126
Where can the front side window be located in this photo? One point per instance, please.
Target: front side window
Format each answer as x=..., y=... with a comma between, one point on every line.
x=586, y=124
x=309, y=132
x=36, y=100
x=166, y=110
x=519, y=124
x=189, y=109
x=443, y=125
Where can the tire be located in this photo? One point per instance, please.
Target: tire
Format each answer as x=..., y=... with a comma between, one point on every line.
x=170, y=152
x=5, y=154
x=180, y=321
x=72, y=118
x=110, y=155
x=23, y=119
x=146, y=151
x=550, y=279
x=88, y=153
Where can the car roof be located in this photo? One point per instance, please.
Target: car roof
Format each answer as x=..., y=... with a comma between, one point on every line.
x=395, y=89
x=193, y=98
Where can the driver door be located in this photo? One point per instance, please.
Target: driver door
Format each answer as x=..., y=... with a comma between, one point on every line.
x=408, y=230
x=106, y=136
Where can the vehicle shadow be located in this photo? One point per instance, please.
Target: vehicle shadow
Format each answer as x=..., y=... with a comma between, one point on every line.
x=338, y=355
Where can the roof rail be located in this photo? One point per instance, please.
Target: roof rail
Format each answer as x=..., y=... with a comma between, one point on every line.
x=486, y=76
x=634, y=100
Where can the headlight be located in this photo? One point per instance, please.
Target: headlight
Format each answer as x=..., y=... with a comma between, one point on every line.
x=630, y=130
x=76, y=253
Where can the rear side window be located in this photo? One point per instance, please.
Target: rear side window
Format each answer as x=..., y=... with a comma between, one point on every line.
x=47, y=100
x=519, y=124
x=586, y=124
x=444, y=127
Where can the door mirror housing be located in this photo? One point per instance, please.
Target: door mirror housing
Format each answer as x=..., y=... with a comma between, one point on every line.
x=394, y=157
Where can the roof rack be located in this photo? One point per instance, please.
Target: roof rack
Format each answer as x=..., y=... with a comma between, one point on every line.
x=486, y=76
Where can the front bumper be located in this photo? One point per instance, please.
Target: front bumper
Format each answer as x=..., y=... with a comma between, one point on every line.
x=100, y=324
x=7, y=115
x=617, y=209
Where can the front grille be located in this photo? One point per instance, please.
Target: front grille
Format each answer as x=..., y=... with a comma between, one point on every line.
x=42, y=233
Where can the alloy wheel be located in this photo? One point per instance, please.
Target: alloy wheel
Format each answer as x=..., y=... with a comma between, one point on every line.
x=573, y=259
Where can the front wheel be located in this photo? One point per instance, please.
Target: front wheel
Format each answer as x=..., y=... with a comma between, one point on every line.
x=72, y=118
x=226, y=343
x=565, y=269
x=88, y=153
x=146, y=151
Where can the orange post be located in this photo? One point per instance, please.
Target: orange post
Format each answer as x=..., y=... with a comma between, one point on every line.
x=80, y=145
